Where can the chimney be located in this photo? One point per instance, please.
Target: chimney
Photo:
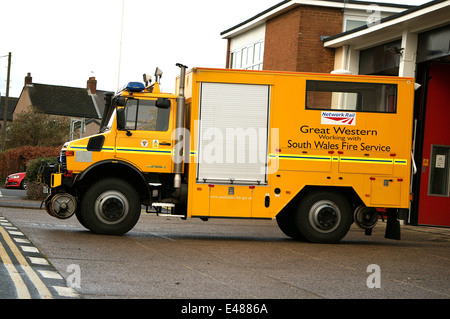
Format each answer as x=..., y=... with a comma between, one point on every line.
x=92, y=85
x=28, y=79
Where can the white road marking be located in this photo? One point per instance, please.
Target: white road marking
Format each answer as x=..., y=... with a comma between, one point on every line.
x=29, y=249
x=16, y=233
x=38, y=261
x=21, y=240
x=66, y=291
x=49, y=274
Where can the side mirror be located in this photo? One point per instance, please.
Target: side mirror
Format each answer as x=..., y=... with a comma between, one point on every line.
x=163, y=103
x=121, y=121
x=120, y=101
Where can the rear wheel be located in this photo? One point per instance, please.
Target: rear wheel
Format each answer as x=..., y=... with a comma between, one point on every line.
x=323, y=217
x=110, y=207
x=286, y=222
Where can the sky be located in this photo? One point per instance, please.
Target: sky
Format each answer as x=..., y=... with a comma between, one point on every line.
x=64, y=42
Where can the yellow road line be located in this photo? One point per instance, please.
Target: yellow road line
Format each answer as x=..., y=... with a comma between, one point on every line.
x=21, y=287
x=41, y=288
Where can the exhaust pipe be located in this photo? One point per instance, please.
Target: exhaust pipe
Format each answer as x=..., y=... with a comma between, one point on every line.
x=108, y=99
x=179, y=149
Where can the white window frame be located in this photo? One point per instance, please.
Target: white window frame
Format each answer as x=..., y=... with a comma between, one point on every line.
x=241, y=59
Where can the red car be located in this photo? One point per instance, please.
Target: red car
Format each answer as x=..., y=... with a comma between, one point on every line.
x=16, y=180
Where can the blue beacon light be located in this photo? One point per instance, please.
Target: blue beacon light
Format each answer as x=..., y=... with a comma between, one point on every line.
x=135, y=87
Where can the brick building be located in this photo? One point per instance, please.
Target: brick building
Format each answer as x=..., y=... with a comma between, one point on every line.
x=289, y=36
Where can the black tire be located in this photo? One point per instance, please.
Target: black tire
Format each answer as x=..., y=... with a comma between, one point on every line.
x=110, y=207
x=323, y=217
x=23, y=185
x=286, y=222
x=80, y=218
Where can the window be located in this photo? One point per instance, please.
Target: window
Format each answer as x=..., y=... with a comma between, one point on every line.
x=249, y=57
x=439, y=171
x=351, y=96
x=143, y=115
x=353, y=24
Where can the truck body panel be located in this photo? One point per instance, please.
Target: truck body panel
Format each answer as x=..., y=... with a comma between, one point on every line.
x=315, y=147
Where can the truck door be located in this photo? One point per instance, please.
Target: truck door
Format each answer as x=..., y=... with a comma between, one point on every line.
x=146, y=139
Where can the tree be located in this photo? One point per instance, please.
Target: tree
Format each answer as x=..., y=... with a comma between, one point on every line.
x=34, y=128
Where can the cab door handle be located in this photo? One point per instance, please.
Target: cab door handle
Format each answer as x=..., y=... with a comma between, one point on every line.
x=165, y=143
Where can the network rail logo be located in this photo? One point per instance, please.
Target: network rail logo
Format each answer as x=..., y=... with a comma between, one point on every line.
x=338, y=118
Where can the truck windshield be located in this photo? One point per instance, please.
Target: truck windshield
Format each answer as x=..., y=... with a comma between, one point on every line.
x=110, y=119
x=143, y=115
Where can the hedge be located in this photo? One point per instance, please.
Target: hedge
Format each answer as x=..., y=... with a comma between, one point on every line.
x=34, y=165
x=16, y=160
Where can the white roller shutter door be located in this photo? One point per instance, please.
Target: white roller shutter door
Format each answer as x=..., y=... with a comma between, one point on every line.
x=233, y=139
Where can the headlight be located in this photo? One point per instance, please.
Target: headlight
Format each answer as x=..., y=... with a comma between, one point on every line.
x=14, y=176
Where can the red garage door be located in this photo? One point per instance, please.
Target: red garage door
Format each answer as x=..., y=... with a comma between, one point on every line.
x=434, y=201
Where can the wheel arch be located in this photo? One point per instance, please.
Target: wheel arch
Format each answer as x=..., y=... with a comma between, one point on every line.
x=347, y=192
x=116, y=169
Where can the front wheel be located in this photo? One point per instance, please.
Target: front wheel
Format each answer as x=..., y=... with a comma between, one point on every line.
x=110, y=207
x=323, y=217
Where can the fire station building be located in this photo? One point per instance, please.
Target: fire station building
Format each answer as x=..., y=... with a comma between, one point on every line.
x=414, y=43
x=371, y=39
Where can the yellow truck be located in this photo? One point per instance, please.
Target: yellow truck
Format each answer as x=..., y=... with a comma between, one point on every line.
x=315, y=151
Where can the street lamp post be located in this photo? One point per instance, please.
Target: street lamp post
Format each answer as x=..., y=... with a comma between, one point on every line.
x=5, y=111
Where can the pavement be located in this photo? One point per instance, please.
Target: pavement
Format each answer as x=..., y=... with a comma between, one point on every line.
x=23, y=203
x=20, y=203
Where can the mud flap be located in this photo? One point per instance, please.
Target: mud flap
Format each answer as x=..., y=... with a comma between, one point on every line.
x=393, y=225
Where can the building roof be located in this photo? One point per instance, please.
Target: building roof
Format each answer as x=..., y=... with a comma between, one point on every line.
x=289, y=4
x=12, y=102
x=66, y=101
x=417, y=19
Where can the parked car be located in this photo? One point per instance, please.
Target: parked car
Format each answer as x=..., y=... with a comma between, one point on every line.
x=16, y=180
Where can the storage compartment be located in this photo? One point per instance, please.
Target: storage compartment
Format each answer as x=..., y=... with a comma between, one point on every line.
x=386, y=191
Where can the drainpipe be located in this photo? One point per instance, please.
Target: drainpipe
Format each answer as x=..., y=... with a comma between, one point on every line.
x=179, y=149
